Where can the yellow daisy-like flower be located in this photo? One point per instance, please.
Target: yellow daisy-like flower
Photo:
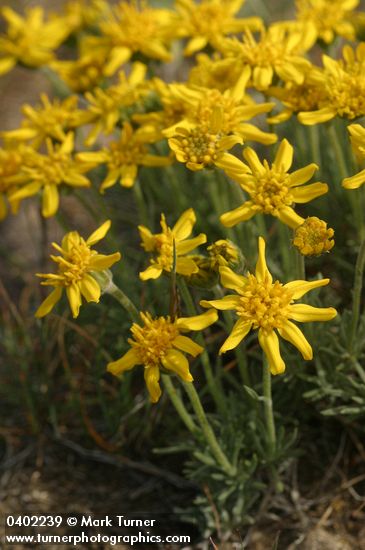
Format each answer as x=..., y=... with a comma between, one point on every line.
x=215, y=72
x=105, y=107
x=329, y=17
x=11, y=177
x=279, y=51
x=162, y=246
x=158, y=344
x=135, y=27
x=313, y=238
x=49, y=172
x=223, y=253
x=49, y=119
x=272, y=189
x=81, y=14
x=123, y=157
x=203, y=22
x=202, y=145
x=268, y=306
x=357, y=137
x=76, y=265
x=234, y=106
x=30, y=40
x=344, y=84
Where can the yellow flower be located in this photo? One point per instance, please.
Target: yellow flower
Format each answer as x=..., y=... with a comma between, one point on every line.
x=157, y=345
x=130, y=29
x=223, y=253
x=162, y=246
x=49, y=172
x=357, y=137
x=233, y=106
x=76, y=265
x=204, y=21
x=330, y=17
x=29, y=40
x=105, y=106
x=268, y=306
x=344, y=84
x=272, y=189
x=216, y=72
x=278, y=52
x=312, y=238
x=202, y=145
x=81, y=14
x=123, y=157
x=49, y=119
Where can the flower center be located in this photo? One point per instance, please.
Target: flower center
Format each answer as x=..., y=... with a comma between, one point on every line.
x=153, y=340
x=199, y=146
x=125, y=153
x=271, y=190
x=165, y=249
x=264, y=303
x=75, y=262
x=313, y=237
x=346, y=91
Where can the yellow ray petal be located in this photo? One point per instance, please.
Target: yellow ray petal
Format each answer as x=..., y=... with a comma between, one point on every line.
x=230, y=279
x=304, y=313
x=231, y=301
x=241, y=214
x=309, y=192
x=355, y=181
x=253, y=160
x=188, y=245
x=152, y=377
x=25, y=192
x=309, y=118
x=186, y=266
x=50, y=200
x=90, y=289
x=284, y=156
x=251, y=132
x=127, y=362
x=288, y=216
x=152, y=272
x=262, y=273
x=74, y=298
x=240, y=330
x=299, y=288
x=195, y=44
x=103, y=261
x=294, y=335
x=184, y=225
x=197, y=322
x=99, y=233
x=298, y=177
x=48, y=304
x=187, y=345
x=270, y=344
x=175, y=361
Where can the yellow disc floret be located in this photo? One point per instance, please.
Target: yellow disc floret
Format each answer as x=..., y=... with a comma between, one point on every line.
x=313, y=237
x=152, y=341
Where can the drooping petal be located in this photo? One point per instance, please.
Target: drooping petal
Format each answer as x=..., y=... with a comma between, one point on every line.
x=355, y=181
x=262, y=273
x=184, y=225
x=99, y=233
x=24, y=192
x=294, y=335
x=240, y=330
x=187, y=345
x=309, y=192
x=127, y=362
x=50, y=200
x=305, y=313
x=284, y=156
x=183, y=247
x=48, y=304
x=74, y=298
x=270, y=344
x=231, y=301
x=90, y=289
x=197, y=322
x=288, y=216
x=175, y=361
x=152, y=377
x=310, y=118
x=186, y=266
x=241, y=214
x=152, y=272
x=299, y=288
x=230, y=279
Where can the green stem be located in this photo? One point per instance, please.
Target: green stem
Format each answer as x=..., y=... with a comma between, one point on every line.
x=124, y=301
x=315, y=147
x=213, y=384
x=209, y=435
x=178, y=404
x=300, y=265
x=268, y=409
x=141, y=205
x=358, y=281
x=337, y=149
